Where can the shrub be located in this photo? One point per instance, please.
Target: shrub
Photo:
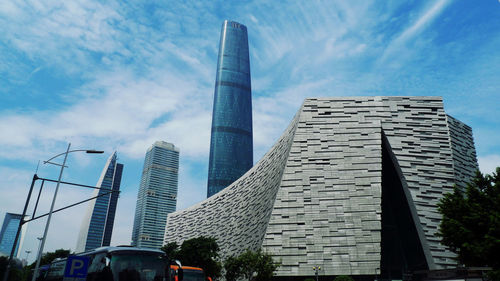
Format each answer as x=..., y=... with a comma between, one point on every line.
x=343, y=278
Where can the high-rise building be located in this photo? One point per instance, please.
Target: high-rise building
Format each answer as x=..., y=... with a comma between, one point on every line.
x=8, y=234
x=231, y=142
x=157, y=195
x=97, y=226
x=351, y=186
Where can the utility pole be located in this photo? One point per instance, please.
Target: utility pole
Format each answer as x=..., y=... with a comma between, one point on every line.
x=21, y=222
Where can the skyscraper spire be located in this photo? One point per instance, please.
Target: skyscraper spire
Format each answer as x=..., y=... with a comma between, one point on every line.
x=231, y=143
x=97, y=226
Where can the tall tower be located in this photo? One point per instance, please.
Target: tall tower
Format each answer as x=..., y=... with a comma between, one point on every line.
x=97, y=225
x=231, y=144
x=157, y=195
x=8, y=234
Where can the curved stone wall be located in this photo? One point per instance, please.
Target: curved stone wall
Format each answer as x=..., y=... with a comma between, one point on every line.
x=238, y=215
x=315, y=198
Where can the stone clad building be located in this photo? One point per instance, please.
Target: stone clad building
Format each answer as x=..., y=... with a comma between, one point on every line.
x=352, y=186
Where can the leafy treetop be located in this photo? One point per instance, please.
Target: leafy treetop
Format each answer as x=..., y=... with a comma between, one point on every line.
x=199, y=252
x=252, y=266
x=343, y=278
x=50, y=256
x=471, y=221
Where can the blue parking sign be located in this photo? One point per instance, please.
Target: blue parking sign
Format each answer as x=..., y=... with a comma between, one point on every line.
x=76, y=267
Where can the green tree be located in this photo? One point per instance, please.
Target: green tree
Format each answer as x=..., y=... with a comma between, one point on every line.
x=199, y=252
x=50, y=256
x=471, y=221
x=253, y=266
x=47, y=258
x=3, y=265
x=343, y=278
x=172, y=250
x=14, y=273
x=232, y=267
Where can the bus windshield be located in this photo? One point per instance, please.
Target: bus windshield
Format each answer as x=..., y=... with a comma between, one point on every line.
x=137, y=267
x=193, y=275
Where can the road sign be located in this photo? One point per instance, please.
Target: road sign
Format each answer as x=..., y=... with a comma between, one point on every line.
x=76, y=267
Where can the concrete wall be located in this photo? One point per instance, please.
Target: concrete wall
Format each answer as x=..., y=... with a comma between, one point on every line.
x=315, y=197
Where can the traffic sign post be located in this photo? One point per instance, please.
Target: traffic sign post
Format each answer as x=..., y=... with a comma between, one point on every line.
x=76, y=268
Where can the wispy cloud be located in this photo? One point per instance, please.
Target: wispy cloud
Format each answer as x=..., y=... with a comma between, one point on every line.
x=428, y=15
x=122, y=116
x=134, y=75
x=72, y=29
x=121, y=75
x=489, y=163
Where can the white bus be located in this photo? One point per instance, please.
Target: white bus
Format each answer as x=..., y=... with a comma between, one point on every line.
x=120, y=263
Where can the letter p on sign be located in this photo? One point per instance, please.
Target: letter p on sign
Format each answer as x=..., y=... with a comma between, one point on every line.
x=76, y=267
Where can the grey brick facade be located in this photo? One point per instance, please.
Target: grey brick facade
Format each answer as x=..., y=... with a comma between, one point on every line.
x=464, y=152
x=316, y=197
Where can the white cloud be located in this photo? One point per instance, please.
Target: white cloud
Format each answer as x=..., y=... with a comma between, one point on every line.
x=68, y=29
x=122, y=115
x=161, y=94
x=488, y=163
x=191, y=189
x=426, y=17
x=147, y=75
x=124, y=220
x=14, y=185
x=253, y=19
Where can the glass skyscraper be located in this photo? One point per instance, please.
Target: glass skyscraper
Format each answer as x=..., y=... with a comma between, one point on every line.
x=8, y=234
x=231, y=143
x=157, y=195
x=97, y=225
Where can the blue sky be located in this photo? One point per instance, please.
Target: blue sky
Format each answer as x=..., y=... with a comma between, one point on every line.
x=118, y=76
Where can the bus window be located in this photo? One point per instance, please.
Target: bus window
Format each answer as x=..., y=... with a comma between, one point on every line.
x=55, y=271
x=193, y=275
x=190, y=273
x=98, y=271
x=132, y=267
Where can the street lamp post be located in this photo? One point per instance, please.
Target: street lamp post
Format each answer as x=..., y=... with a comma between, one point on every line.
x=316, y=271
x=42, y=243
x=39, y=243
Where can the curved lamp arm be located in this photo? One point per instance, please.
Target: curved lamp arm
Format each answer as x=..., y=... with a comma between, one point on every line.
x=75, y=150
